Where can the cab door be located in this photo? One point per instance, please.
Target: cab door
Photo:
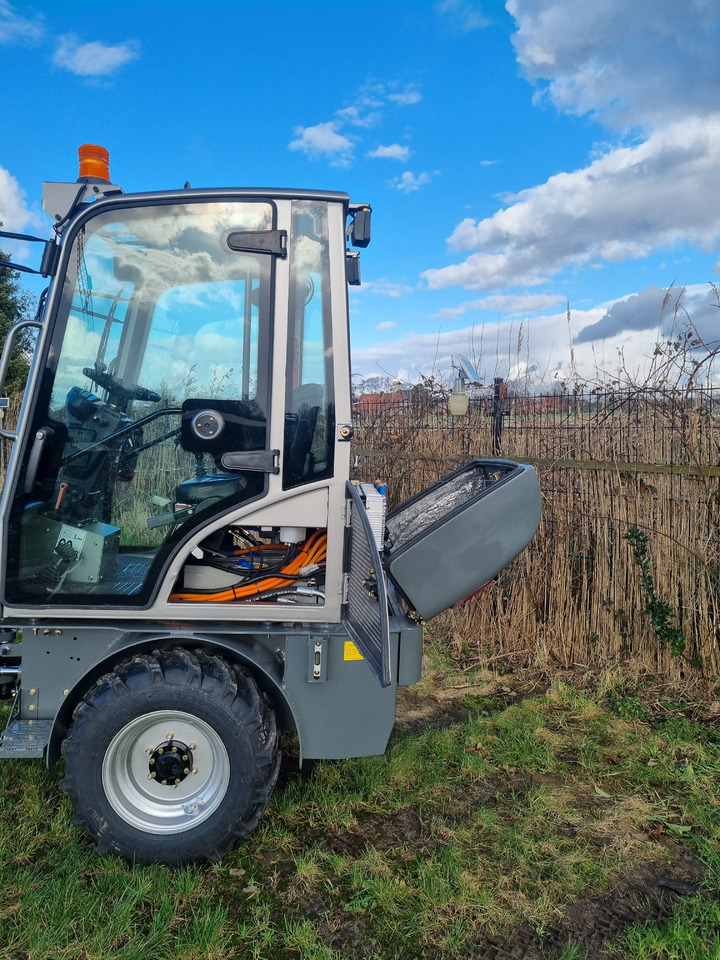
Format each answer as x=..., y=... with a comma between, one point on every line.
x=160, y=312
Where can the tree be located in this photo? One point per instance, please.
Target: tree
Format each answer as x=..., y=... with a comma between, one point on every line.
x=15, y=305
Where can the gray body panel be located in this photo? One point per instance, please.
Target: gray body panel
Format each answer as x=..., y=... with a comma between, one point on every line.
x=337, y=711
x=450, y=540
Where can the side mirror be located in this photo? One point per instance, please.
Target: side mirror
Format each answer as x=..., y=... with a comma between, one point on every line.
x=360, y=227
x=352, y=269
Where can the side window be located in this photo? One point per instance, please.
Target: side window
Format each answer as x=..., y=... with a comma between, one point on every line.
x=309, y=400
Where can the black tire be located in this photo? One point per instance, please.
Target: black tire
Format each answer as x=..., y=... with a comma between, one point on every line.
x=171, y=758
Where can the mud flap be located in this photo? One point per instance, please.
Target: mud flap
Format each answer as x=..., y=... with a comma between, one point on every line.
x=365, y=609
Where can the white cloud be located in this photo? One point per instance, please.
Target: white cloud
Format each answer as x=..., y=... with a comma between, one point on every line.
x=645, y=67
x=623, y=205
x=644, y=62
x=648, y=71
x=406, y=97
x=366, y=111
x=386, y=325
x=15, y=28
x=420, y=352
x=323, y=139
x=394, y=151
x=14, y=214
x=506, y=303
x=16, y=217
x=383, y=287
x=465, y=15
x=365, y=114
x=616, y=338
x=539, y=348
x=93, y=59
x=409, y=182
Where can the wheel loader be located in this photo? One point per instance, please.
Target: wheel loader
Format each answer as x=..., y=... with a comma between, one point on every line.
x=186, y=570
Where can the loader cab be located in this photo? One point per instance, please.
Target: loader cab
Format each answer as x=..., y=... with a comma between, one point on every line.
x=189, y=401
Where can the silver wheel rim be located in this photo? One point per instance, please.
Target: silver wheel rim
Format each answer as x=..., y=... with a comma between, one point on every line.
x=149, y=805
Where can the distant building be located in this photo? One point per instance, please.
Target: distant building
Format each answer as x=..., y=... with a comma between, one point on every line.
x=376, y=402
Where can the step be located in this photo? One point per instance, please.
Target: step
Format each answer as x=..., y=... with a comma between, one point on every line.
x=25, y=738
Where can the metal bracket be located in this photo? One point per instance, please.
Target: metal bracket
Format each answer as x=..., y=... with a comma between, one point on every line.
x=60, y=199
x=317, y=661
x=49, y=257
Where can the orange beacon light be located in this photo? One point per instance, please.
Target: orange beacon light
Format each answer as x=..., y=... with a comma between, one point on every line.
x=94, y=162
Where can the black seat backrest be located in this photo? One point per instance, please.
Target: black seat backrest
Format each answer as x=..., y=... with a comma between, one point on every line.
x=300, y=423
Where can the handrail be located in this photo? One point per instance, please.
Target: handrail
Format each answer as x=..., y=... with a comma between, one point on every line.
x=5, y=358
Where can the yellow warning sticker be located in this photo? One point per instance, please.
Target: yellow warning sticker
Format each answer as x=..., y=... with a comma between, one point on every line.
x=352, y=652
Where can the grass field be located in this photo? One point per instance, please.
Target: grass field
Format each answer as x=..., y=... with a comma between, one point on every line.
x=513, y=816
x=552, y=791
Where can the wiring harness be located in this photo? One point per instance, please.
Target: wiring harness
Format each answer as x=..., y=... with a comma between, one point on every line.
x=264, y=570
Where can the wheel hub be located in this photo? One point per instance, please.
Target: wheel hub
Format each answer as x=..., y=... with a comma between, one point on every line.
x=133, y=785
x=170, y=763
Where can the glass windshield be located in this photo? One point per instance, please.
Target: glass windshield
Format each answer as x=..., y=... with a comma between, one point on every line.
x=160, y=323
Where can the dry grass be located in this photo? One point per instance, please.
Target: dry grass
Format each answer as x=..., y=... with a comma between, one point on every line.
x=574, y=598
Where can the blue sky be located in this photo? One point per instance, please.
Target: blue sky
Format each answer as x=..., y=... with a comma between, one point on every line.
x=519, y=156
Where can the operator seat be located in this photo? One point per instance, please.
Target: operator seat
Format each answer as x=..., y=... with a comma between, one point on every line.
x=300, y=423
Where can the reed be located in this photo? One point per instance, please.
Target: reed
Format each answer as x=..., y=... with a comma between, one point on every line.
x=574, y=598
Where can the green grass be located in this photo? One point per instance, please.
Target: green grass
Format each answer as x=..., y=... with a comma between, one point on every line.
x=495, y=820
x=691, y=933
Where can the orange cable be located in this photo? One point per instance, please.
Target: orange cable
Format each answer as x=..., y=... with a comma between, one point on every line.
x=314, y=551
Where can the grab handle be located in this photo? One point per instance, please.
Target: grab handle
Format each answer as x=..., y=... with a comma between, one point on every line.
x=7, y=352
x=42, y=438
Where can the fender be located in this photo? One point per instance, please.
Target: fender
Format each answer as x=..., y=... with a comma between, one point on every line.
x=241, y=650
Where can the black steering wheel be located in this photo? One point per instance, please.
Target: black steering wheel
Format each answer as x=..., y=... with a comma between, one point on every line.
x=119, y=389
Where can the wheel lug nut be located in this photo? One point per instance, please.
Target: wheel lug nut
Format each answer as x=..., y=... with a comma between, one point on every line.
x=185, y=759
x=177, y=782
x=174, y=750
x=169, y=736
x=194, y=771
x=193, y=746
x=164, y=783
x=149, y=751
x=186, y=771
x=160, y=750
x=152, y=762
x=151, y=776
